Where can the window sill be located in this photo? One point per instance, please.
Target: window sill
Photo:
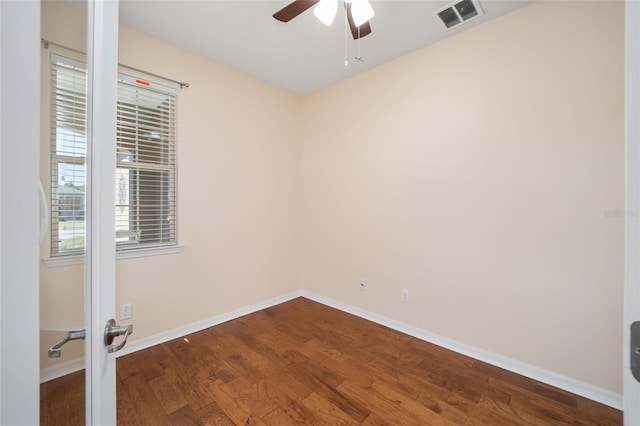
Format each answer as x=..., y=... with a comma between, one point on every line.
x=78, y=259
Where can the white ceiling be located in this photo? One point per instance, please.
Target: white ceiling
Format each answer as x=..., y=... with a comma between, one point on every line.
x=303, y=55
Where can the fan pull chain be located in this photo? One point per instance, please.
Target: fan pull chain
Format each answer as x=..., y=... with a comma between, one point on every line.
x=358, y=57
x=346, y=41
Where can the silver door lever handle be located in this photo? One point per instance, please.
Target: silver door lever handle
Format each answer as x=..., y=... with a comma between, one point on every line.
x=54, y=351
x=111, y=331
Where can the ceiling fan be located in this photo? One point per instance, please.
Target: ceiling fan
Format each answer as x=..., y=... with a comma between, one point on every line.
x=359, y=12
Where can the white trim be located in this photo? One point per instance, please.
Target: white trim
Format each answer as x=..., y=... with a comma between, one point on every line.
x=100, y=243
x=586, y=390
x=571, y=385
x=151, y=251
x=19, y=215
x=78, y=259
x=568, y=384
x=163, y=337
x=1, y=197
x=631, y=388
x=61, y=369
x=124, y=249
x=69, y=367
x=56, y=262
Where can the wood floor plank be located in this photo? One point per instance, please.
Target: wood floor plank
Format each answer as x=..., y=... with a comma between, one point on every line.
x=278, y=417
x=148, y=365
x=410, y=384
x=44, y=405
x=167, y=393
x=252, y=395
x=127, y=367
x=487, y=413
x=213, y=415
x=515, y=381
x=185, y=416
x=317, y=370
x=597, y=411
x=234, y=408
x=244, y=369
x=263, y=357
x=163, y=354
x=144, y=401
x=65, y=401
x=196, y=389
x=449, y=412
x=391, y=410
x=225, y=371
x=385, y=370
x=413, y=407
x=333, y=360
x=301, y=362
x=540, y=410
x=465, y=381
x=375, y=420
x=288, y=401
x=126, y=413
x=325, y=413
x=306, y=373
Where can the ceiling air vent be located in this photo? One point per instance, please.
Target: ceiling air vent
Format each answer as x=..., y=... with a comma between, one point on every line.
x=458, y=13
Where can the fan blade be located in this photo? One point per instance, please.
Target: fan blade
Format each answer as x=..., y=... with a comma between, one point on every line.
x=293, y=9
x=365, y=29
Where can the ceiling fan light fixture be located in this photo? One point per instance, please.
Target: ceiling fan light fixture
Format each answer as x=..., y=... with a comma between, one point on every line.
x=362, y=11
x=326, y=11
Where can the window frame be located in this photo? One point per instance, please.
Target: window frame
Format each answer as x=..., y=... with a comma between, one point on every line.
x=123, y=250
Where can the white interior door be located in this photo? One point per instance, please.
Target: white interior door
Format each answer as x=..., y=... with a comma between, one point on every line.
x=632, y=228
x=19, y=108
x=100, y=274
x=80, y=171
x=19, y=213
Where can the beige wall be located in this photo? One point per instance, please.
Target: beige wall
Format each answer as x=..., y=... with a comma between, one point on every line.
x=478, y=173
x=239, y=194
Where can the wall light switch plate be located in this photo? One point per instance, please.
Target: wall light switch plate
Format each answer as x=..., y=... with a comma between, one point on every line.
x=125, y=311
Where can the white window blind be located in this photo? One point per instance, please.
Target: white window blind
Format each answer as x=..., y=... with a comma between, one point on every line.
x=68, y=151
x=145, y=161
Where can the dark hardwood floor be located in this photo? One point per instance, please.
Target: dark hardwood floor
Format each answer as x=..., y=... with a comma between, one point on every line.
x=305, y=363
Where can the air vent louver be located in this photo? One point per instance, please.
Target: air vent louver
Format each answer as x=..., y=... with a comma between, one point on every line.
x=449, y=17
x=458, y=13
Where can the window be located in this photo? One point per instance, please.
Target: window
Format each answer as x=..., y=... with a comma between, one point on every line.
x=145, y=208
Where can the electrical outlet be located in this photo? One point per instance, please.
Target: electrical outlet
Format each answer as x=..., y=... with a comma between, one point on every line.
x=404, y=295
x=125, y=311
x=363, y=285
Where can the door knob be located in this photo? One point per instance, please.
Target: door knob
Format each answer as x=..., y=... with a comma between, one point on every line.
x=54, y=351
x=111, y=331
x=635, y=350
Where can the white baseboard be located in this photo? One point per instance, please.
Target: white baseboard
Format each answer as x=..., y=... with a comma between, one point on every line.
x=74, y=365
x=156, y=339
x=62, y=369
x=586, y=390
x=571, y=385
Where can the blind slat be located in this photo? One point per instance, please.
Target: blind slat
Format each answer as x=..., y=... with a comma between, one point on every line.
x=145, y=171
